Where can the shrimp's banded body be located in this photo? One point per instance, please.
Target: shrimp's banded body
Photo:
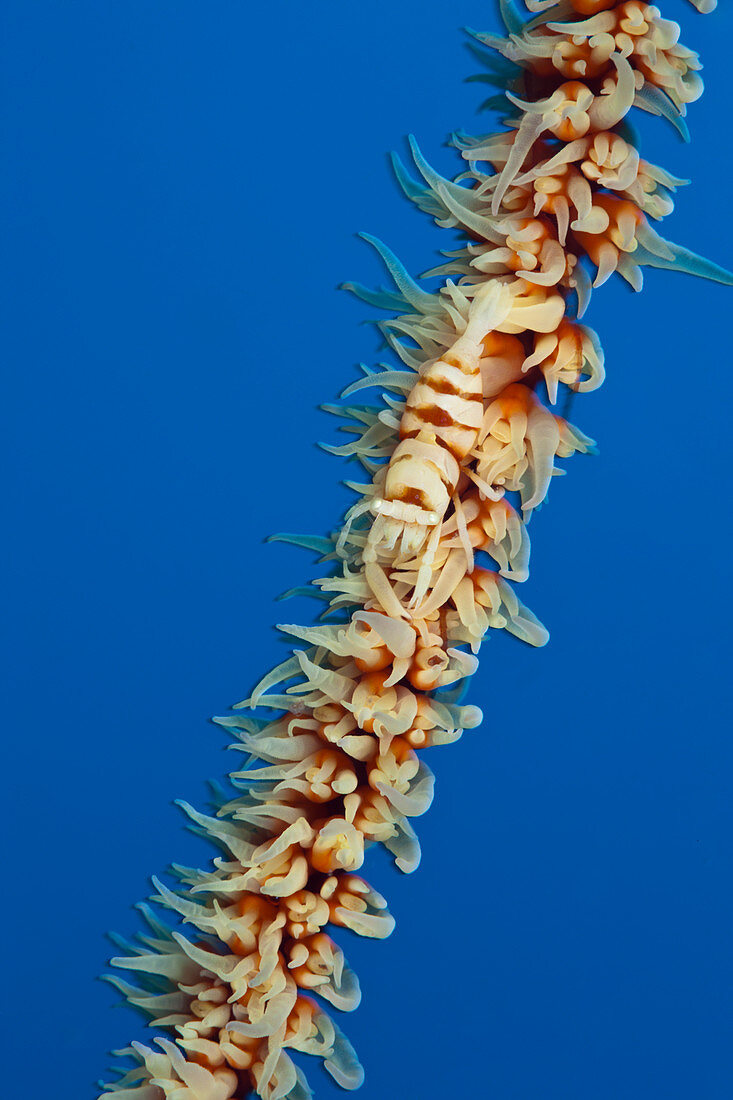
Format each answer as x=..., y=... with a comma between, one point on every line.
x=438, y=430
x=457, y=458
x=446, y=402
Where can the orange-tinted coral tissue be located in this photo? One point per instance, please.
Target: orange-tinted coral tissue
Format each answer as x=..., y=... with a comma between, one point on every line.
x=456, y=457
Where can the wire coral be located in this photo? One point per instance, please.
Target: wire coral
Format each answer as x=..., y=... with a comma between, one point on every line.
x=457, y=457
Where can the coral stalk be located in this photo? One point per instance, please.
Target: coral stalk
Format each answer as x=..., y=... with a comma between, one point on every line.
x=457, y=457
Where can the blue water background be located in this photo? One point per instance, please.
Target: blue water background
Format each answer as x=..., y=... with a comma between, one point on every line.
x=185, y=181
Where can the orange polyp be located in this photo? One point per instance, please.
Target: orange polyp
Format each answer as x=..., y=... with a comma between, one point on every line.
x=597, y=246
x=211, y=1057
x=568, y=332
x=634, y=17
x=306, y=913
x=311, y=973
x=399, y=750
x=347, y=893
x=481, y=529
x=338, y=845
x=259, y=911
x=616, y=207
x=501, y=345
x=334, y=722
x=515, y=399
x=368, y=693
x=591, y=7
x=572, y=90
x=422, y=723
x=373, y=818
x=485, y=583
x=577, y=59
x=378, y=657
x=566, y=129
x=395, y=767
x=526, y=246
x=329, y=765
x=239, y=1050
x=301, y=1016
x=426, y=671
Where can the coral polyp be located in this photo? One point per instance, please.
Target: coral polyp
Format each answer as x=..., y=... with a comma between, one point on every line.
x=456, y=458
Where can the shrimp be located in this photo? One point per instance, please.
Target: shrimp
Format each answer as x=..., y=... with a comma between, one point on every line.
x=439, y=429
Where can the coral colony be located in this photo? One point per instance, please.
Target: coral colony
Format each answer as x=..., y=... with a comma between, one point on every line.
x=456, y=457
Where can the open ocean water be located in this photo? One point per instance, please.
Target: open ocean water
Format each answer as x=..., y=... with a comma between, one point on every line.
x=184, y=184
